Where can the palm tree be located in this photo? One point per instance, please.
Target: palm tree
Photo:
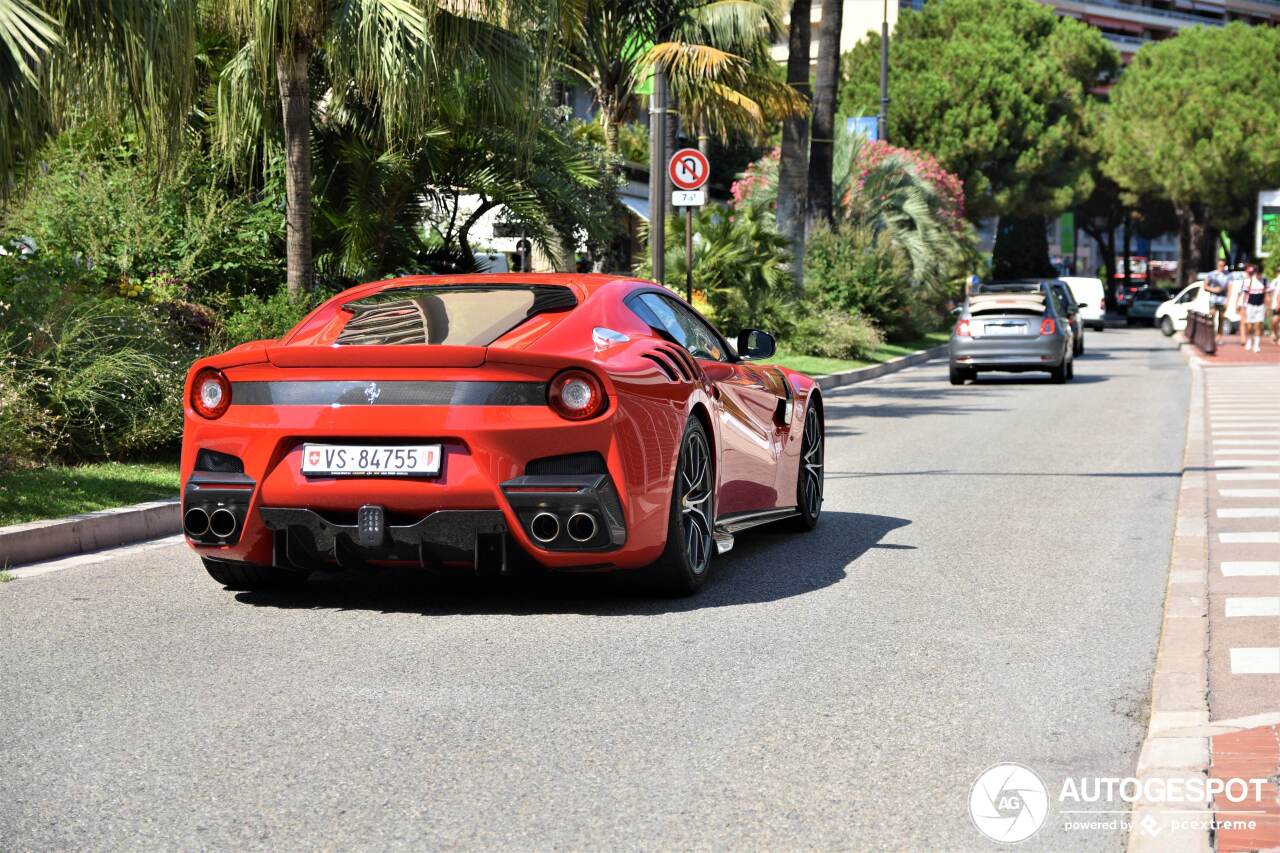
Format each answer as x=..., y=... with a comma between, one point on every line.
x=793, y=168
x=825, y=83
x=125, y=57
x=317, y=56
x=714, y=52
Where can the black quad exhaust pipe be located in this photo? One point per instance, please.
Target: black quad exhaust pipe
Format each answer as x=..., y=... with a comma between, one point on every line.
x=195, y=522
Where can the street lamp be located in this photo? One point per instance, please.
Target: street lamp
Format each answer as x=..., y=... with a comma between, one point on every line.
x=882, y=123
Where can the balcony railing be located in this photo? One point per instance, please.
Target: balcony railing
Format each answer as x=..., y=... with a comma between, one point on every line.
x=1164, y=14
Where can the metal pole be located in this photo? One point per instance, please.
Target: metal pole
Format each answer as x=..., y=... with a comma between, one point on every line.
x=882, y=123
x=688, y=255
x=657, y=175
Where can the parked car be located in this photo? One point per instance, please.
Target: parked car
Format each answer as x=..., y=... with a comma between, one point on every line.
x=1145, y=304
x=474, y=422
x=1014, y=330
x=1092, y=299
x=1073, y=315
x=1171, y=316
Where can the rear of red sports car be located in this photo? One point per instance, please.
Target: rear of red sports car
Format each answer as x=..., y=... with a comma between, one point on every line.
x=439, y=422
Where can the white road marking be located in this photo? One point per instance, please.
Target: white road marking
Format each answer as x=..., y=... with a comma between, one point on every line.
x=1250, y=568
x=1250, y=512
x=1257, y=661
x=1249, y=493
x=1255, y=605
x=1238, y=442
x=37, y=569
x=1260, y=537
x=1237, y=463
x=1241, y=451
x=1261, y=475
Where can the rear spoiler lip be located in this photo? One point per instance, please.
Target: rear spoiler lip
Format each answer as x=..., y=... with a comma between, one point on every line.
x=375, y=355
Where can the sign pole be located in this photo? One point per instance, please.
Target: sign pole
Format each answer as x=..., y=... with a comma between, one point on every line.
x=688, y=170
x=688, y=255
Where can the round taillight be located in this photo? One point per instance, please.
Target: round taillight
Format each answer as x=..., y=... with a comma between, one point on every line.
x=210, y=393
x=576, y=395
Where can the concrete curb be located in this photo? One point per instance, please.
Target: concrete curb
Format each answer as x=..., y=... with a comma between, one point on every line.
x=77, y=534
x=1177, y=742
x=862, y=374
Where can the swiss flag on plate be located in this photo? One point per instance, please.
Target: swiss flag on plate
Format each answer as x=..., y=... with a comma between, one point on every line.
x=313, y=458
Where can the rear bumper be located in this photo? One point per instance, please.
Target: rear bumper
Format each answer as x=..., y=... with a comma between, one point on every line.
x=1040, y=353
x=485, y=450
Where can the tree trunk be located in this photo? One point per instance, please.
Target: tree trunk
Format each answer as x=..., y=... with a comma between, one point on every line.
x=295, y=101
x=1185, y=269
x=704, y=137
x=822, y=141
x=610, y=134
x=1021, y=249
x=673, y=145
x=793, y=168
x=1127, y=236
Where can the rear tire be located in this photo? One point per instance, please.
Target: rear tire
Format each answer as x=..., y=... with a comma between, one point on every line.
x=960, y=374
x=248, y=576
x=1166, y=326
x=1059, y=373
x=1071, y=370
x=682, y=568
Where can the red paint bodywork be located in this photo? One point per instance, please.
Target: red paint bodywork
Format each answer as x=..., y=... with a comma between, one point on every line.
x=486, y=445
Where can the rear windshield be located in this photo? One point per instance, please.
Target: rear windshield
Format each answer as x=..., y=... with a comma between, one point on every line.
x=1003, y=309
x=462, y=315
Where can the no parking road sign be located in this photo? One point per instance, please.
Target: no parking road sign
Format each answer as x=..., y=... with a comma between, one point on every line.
x=688, y=169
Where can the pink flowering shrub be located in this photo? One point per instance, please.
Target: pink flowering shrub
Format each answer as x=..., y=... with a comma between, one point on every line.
x=949, y=187
x=759, y=182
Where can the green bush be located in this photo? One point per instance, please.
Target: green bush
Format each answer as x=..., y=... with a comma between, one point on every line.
x=858, y=271
x=252, y=318
x=89, y=378
x=739, y=267
x=102, y=213
x=832, y=333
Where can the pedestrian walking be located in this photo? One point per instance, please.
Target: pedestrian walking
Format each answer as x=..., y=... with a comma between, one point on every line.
x=1218, y=284
x=1253, y=304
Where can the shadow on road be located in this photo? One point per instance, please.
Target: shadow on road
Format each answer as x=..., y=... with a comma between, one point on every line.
x=764, y=566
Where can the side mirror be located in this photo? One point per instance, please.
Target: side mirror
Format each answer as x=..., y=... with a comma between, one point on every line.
x=755, y=344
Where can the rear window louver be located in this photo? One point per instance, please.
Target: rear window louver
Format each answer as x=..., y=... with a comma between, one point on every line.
x=415, y=314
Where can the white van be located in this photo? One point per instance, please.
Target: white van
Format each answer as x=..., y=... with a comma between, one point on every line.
x=1093, y=300
x=1171, y=316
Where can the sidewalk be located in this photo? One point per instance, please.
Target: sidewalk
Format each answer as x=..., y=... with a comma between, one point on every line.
x=1230, y=352
x=1216, y=691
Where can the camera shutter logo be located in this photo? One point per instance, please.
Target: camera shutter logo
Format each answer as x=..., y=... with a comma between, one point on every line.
x=1009, y=803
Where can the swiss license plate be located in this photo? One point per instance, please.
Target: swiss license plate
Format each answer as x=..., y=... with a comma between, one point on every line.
x=359, y=460
x=1004, y=329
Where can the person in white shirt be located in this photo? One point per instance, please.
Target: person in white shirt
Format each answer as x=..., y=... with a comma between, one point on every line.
x=1253, y=304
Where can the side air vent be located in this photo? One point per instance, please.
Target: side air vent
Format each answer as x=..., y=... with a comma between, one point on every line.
x=681, y=364
x=662, y=363
x=571, y=464
x=688, y=366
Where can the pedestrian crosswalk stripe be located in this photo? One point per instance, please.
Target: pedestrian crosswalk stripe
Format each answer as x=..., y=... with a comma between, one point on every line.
x=1249, y=493
x=1255, y=442
x=1254, y=605
x=1256, y=537
x=1255, y=661
x=1249, y=512
x=1245, y=451
x=1248, y=475
x=1250, y=568
x=1232, y=462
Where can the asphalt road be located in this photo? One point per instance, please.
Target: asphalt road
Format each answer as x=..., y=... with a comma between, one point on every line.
x=985, y=586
